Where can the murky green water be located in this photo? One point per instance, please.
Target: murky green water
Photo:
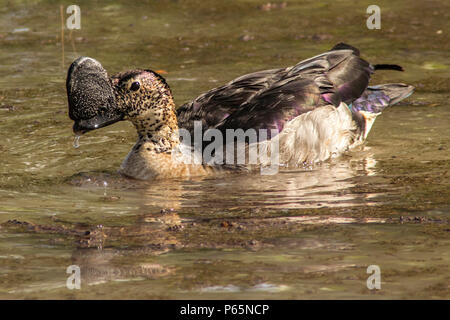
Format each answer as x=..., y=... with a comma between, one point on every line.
x=307, y=233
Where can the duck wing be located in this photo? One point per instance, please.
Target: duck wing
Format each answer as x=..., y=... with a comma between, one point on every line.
x=217, y=104
x=268, y=99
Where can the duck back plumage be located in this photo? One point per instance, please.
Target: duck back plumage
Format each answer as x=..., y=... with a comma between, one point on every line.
x=269, y=99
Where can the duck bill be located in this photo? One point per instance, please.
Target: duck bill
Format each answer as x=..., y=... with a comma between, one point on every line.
x=90, y=94
x=102, y=120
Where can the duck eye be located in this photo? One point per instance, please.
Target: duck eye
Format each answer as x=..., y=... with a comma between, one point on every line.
x=135, y=86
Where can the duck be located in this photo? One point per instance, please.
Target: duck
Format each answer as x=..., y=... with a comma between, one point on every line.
x=308, y=113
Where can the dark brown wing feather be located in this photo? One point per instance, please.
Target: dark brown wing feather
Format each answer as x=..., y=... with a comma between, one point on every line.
x=217, y=104
x=268, y=99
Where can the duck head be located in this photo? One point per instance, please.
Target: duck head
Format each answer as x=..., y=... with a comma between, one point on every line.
x=140, y=96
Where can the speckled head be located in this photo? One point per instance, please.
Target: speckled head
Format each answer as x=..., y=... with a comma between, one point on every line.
x=145, y=99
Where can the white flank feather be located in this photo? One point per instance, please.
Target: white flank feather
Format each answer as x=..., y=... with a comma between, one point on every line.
x=318, y=135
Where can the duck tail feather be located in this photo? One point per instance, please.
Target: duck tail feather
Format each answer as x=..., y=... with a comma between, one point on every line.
x=376, y=98
x=384, y=66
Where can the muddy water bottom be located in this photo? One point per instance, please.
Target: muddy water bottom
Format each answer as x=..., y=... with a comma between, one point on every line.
x=304, y=259
x=208, y=239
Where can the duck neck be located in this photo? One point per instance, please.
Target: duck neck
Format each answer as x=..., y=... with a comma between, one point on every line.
x=158, y=133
